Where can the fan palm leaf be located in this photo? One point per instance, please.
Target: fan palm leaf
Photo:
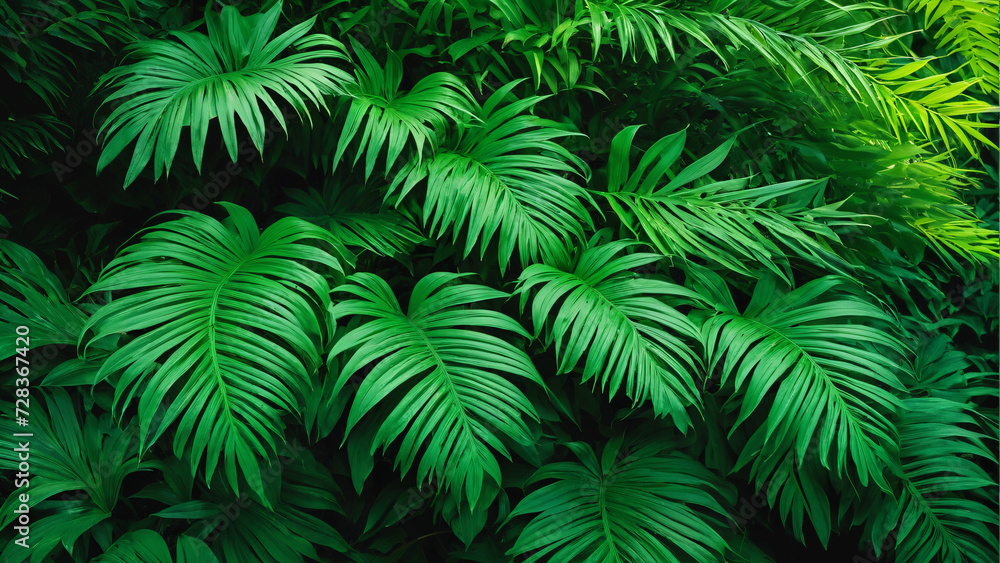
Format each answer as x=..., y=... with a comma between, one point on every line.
x=508, y=177
x=227, y=74
x=233, y=323
x=456, y=396
x=596, y=310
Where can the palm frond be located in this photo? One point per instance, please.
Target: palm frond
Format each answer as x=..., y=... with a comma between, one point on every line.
x=395, y=117
x=722, y=222
x=946, y=508
x=32, y=296
x=233, y=324
x=930, y=106
x=636, y=502
x=806, y=361
x=596, y=310
x=456, y=395
x=77, y=471
x=971, y=28
x=240, y=527
x=508, y=177
x=224, y=75
x=27, y=136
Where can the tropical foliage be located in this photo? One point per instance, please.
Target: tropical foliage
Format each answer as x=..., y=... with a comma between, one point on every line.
x=499, y=281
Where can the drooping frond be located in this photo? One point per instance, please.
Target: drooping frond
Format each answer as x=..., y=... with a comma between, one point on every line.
x=597, y=311
x=28, y=136
x=233, y=72
x=32, y=296
x=505, y=177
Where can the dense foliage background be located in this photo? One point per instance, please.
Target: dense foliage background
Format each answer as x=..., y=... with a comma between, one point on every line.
x=501, y=280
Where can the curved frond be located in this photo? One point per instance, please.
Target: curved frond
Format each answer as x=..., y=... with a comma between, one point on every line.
x=232, y=324
x=947, y=507
x=456, y=392
x=506, y=177
x=636, y=502
x=227, y=74
x=596, y=310
x=806, y=361
x=416, y=116
x=723, y=221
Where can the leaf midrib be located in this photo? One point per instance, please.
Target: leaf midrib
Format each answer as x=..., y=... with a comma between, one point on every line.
x=213, y=309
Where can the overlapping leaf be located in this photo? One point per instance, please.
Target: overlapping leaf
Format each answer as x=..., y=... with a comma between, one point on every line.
x=76, y=472
x=596, y=311
x=227, y=74
x=229, y=323
x=636, y=502
x=946, y=509
x=392, y=118
x=721, y=222
x=806, y=361
x=505, y=177
x=456, y=395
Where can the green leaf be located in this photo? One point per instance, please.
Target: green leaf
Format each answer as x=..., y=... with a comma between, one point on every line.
x=636, y=503
x=595, y=310
x=506, y=177
x=233, y=321
x=189, y=81
x=449, y=382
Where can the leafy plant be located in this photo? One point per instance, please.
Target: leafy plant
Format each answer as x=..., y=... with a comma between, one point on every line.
x=637, y=281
